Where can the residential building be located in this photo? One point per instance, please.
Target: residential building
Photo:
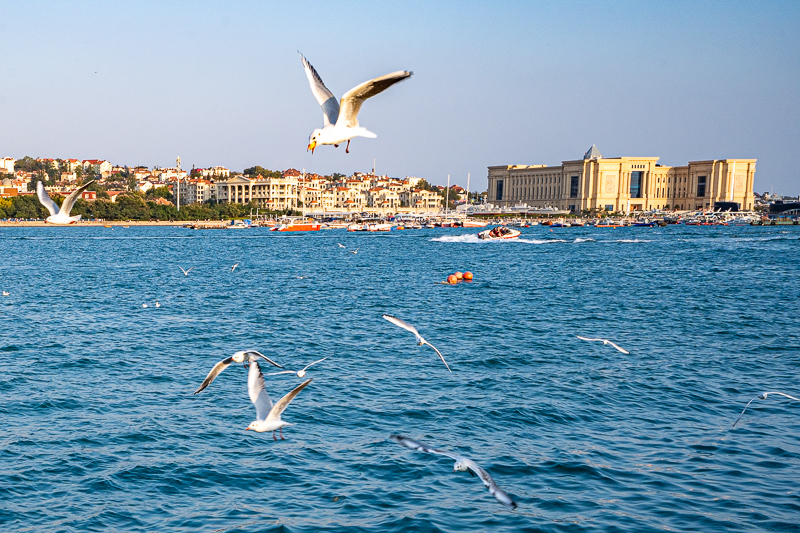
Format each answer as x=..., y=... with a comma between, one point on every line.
x=7, y=165
x=272, y=193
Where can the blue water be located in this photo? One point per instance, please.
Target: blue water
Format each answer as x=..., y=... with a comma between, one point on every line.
x=101, y=432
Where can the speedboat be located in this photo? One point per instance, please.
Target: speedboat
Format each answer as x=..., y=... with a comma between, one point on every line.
x=499, y=233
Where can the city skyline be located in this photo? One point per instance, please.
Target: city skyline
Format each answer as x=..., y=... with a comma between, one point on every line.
x=493, y=84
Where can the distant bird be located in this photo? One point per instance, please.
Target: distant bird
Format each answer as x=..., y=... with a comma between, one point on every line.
x=158, y=304
x=300, y=373
x=60, y=215
x=604, y=341
x=249, y=356
x=762, y=396
x=340, y=120
x=355, y=251
x=185, y=272
x=420, y=341
x=462, y=465
x=341, y=245
x=144, y=306
x=234, y=267
x=6, y=293
x=268, y=416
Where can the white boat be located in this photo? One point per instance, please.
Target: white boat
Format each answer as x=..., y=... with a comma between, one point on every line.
x=499, y=233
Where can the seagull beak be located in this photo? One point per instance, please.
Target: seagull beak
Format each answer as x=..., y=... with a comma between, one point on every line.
x=311, y=146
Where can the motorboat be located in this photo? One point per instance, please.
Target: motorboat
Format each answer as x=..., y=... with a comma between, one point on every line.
x=499, y=233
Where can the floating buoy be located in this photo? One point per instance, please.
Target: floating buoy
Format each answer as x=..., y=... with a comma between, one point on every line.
x=467, y=276
x=452, y=279
x=459, y=276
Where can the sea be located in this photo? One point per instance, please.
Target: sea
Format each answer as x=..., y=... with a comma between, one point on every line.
x=100, y=429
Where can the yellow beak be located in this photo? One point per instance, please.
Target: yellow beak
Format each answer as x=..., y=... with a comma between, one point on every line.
x=311, y=146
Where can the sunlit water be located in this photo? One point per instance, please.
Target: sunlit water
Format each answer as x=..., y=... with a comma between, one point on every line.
x=101, y=431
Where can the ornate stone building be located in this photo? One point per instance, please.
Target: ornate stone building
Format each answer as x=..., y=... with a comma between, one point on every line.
x=624, y=184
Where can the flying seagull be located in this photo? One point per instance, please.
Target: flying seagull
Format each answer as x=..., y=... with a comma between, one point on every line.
x=420, y=341
x=354, y=252
x=300, y=373
x=341, y=245
x=268, y=416
x=604, y=341
x=60, y=215
x=234, y=267
x=185, y=272
x=340, y=120
x=762, y=396
x=249, y=356
x=462, y=465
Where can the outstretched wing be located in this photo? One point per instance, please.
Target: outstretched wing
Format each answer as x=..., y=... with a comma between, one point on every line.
x=489, y=483
x=418, y=446
x=252, y=354
x=315, y=362
x=587, y=339
x=618, y=348
x=283, y=403
x=354, y=98
x=325, y=98
x=45, y=200
x=257, y=390
x=405, y=325
x=69, y=201
x=219, y=367
x=438, y=352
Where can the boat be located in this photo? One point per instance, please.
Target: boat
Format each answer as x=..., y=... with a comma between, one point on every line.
x=298, y=226
x=499, y=233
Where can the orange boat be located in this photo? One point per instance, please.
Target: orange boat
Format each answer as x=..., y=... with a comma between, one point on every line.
x=298, y=226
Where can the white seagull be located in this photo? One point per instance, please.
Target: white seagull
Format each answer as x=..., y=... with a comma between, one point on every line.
x=60, y=215
x=249, y=356
x=462, y=465
x=234, y=267
x=340, y=120
x=158, y=304
x=144, y=306
x=341, y=245
x=354, y=252
x=268, y=416
x=420, y=341
x=762, y=396
x=6, y=293
x=604, y=341
x=185, y=272
x=300, y=373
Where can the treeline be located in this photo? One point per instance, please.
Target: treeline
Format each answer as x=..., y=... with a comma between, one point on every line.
x=131, y=206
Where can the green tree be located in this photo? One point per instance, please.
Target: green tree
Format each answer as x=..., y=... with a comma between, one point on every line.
x=261, y=171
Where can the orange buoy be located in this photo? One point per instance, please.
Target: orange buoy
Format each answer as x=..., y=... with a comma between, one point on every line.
x=452, y=279
x=467, y=276
x=459, y=276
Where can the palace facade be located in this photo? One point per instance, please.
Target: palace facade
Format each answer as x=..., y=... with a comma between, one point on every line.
x=624, y=184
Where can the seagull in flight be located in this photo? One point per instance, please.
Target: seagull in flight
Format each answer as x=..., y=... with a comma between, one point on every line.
x=354, y=252
x=604, y=341
x=268, y=416
x=420, y=341
x=245, y=356
x=762, y=396
x=462, y=465
x=341, y=245
x=60, y=215
x=340, y=120
x=185, y=272
x=300, y=373
x=234, y=267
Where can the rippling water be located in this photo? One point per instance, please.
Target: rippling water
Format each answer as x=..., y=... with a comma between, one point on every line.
x=100, y=430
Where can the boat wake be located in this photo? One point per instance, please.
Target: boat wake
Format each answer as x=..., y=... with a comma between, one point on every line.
x=471, y=238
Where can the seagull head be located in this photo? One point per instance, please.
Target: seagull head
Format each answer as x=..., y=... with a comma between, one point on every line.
x=762, y=396
x=238, y=357
x=459, y=467
x=301, y=374
x=312, y=140
x=254, y=425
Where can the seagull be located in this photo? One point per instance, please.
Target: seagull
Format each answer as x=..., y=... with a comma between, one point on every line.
x=420, y=341
x=249, y=356
x=300, y=373
x=462, y=465
x=354, y=252
x=268, y=416
x=234, y=267
x=604, y=341
x=144, y=306
x=762, y=396
x=60, y=215
x=6, y=293
x=186, y=272
x=158, y=304
x=340, y=120
x=341, y=245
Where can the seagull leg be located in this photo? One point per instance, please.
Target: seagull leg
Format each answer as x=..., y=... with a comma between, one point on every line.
x=347, y=149
x=273, y=436
x=281, y=432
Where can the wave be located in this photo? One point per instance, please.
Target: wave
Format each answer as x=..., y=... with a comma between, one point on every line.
x=473, y=239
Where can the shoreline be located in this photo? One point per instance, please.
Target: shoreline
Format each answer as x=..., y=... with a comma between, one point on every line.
x=83, y=223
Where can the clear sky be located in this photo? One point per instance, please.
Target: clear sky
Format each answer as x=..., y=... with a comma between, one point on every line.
x=501, y=82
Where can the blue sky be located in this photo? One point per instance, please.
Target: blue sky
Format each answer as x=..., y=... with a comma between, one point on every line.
x=220, y=83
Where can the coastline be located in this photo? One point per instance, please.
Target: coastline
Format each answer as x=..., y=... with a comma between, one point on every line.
x=84, y=223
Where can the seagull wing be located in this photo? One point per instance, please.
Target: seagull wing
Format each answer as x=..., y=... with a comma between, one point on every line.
x=45, y=200
x=587, y=339
x=258, y=391
x=489, y=483
x=283, y=403
x=405, y=325
x=437, y=351
x=219, y=367
x=782, y=394
x=69, y=201
x=252, y=354
x=325, y=98
x=281, y=372
x=315, y=362
x=418, y=446
x=743, y=410
x=618, y=348
x=354, y=98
